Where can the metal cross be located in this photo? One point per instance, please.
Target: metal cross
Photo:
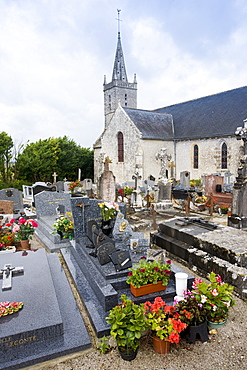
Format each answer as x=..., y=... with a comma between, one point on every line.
x=118, y=19
x=7, y=275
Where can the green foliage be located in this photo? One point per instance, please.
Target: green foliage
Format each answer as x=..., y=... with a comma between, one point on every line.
x=127, y=321
x=104, y=346
x=194, y=183
x=191, y=310
x=146, y=272
x=39, y=160
x=6, y=147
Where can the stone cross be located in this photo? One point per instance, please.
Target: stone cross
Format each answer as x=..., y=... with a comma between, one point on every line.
x=106, y=164
x=7, y=275
x=164, y=157
x=54, y=178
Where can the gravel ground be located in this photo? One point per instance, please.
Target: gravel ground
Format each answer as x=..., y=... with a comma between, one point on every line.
x=227, y=349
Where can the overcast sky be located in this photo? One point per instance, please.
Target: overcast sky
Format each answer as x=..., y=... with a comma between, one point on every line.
x=54, y=55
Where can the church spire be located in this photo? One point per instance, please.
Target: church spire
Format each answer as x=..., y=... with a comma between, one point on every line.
x=119, y=70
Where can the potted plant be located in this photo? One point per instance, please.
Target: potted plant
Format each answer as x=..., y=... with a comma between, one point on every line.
x=147, y=277
x=191, y=311
x=6, y=237
x=224, y=209
x=108, y=211
x=164, y=323
x=73, y=185
x=127, y=321
x=23, y=230
x=217, y=298
x=64, y=226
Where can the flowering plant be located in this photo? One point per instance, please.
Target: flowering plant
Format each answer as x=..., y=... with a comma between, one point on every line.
x=6, y=236
x=191, y=309
x=149, y=272
x=108, y=210
x=64, y=225
x=163, y=320
x=201, y=199
x=127, y=321
x=128, y=190
x=74, y=184
x=7, y=308
x=23, y=229
x=216, y=297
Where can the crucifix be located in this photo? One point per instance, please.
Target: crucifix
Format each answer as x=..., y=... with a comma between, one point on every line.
x=118, y=19
x=172, y=165
x=7, y=275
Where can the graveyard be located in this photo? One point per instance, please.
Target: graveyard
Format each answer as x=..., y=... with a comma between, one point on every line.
x=91, y=241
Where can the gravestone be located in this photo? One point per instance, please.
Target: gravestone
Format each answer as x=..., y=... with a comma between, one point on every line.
x=213, y=184
x=15, y=196
x=107, y=183
x=60, y=186
x=185, y=179
x=47, y=203
x=6, y=207
x=42, y=329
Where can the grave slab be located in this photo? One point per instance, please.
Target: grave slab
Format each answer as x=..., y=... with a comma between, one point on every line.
x=49, y=324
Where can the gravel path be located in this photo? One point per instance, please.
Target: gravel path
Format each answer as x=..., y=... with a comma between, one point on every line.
x=227, y=349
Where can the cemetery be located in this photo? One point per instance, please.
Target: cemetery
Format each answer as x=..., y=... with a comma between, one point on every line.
x=100, y=235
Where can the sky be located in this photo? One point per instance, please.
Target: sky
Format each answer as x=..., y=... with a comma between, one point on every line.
x=54, y=55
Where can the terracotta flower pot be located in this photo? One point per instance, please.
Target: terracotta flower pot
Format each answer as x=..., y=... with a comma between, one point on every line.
x=147, y=289
x=24, y=244
x=160, y=345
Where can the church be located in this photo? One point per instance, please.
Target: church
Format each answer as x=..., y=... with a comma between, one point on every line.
x=196, y=136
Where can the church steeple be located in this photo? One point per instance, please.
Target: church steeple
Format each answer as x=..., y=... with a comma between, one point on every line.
x=119, y=70
x=119, y=90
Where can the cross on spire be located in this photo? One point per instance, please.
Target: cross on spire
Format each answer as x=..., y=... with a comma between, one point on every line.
x=118, y=19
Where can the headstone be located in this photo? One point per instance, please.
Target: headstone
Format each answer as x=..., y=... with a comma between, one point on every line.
x=60, y=186
x=107, y=184
x=13, y=195
x=121, y=260
x=42, y=329
x=164, y=191
x=47, y=203
x=185, y=179
x=163, y=157
x=213, y=184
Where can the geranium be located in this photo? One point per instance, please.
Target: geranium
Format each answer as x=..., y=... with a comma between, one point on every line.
x=7, y=308
x=215, y=296
x=149, y=272
x=74, y=184
x=23, y=229
x=163, y=320
x=108, y=210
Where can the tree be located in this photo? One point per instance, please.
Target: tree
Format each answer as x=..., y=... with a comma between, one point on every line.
x=6, y=145
x=39, y=160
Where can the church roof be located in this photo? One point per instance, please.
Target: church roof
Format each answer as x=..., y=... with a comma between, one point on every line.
x=119, y=70
x=153, y=125
x=210, y=116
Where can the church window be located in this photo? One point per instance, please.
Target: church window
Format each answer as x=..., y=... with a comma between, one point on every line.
x=224, y=156
x=120, y=147
x=109, y=101
x=126, y=103
x=196, y=150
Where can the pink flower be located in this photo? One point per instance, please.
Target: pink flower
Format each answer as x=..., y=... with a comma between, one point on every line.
x=142, y=270
x=34, y=224
x=22, y=220
x=196, y=282
x=130, y=273
x=16, y=228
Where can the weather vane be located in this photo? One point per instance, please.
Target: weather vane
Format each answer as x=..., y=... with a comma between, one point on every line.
x=118, y=19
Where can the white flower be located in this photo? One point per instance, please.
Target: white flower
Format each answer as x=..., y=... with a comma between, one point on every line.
x=203, y=298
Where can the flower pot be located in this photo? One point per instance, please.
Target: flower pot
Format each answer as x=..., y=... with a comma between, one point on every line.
x=127, y=354
x=198, y=332
x=24, y=244
x=147, y=289
x=215, y=325
x=160, y=345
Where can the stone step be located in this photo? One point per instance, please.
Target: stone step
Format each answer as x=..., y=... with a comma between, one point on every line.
x=194, y=253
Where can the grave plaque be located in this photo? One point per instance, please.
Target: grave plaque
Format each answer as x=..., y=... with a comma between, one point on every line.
x=121, y=260
x=104, y=251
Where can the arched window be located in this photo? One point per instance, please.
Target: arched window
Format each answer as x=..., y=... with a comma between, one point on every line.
x=224, y=156
x=120, y=147
x=196, y=152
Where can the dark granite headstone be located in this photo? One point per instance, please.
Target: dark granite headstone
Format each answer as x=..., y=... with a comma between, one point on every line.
x=43, y=329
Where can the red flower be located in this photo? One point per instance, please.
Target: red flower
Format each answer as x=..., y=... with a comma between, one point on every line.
x=142, y=270
x=174, y=337
x=130, y=273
